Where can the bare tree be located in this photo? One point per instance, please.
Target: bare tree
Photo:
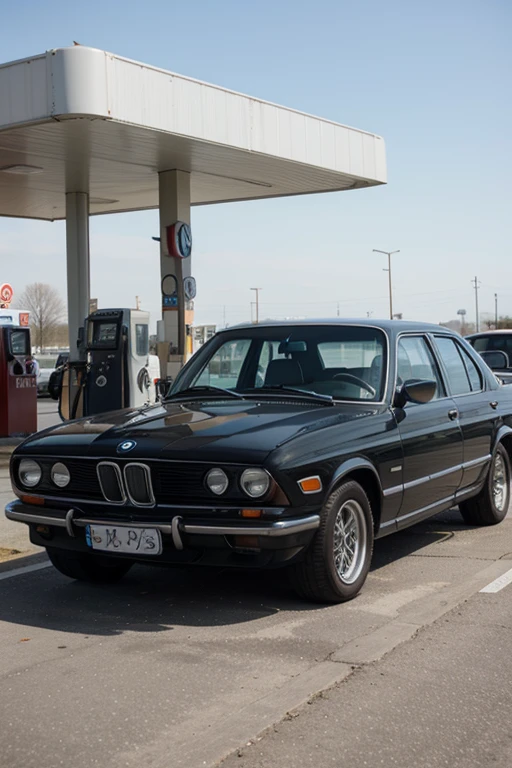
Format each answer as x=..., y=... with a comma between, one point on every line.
x=46, y=311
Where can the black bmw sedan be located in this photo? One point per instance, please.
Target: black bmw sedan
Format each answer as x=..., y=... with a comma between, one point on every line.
x=279, y=445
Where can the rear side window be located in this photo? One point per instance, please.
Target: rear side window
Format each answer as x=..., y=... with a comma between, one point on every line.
x=456, y=372
x=475, y=377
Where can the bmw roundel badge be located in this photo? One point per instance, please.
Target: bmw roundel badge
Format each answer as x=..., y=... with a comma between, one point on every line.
x=126, y=445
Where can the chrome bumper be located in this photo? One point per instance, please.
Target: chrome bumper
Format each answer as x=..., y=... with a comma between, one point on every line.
x=175, y=528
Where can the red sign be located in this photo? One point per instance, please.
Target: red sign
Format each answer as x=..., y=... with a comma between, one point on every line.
x=24, y=318
x=6, y=294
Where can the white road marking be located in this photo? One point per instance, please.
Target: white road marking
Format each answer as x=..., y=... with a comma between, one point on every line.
x=25, y=569
x=500, y=583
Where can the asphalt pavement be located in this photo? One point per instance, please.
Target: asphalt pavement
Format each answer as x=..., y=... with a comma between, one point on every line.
x=442, y=699
x=47, y=413
x=176, y=668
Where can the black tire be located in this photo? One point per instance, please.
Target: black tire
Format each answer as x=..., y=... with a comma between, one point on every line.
x=488, y=508
x=316, y=577
x=97, y=569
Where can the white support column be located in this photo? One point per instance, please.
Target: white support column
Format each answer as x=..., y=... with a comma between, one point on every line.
x=78, y=269
x=174, y=205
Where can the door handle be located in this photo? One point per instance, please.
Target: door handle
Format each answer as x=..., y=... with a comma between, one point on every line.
x=453, y=414
x=494, y=404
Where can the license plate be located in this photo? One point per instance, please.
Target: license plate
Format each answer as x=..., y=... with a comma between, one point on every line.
x=122, y=538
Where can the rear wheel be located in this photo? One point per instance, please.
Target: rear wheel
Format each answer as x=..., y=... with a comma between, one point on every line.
x=491, y=504
x=337, y=561
x=85, y=567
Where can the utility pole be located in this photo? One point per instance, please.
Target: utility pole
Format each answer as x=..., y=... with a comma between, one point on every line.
x=338, y=310
x=496, y=311
x=137, y=302
x=257, y=290
x=388, y=270
x=224, y=315
x=476, y=286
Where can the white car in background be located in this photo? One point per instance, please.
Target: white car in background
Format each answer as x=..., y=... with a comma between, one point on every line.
x=47, y=365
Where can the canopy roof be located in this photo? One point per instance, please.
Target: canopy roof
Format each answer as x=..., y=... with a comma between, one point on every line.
x=83, y=120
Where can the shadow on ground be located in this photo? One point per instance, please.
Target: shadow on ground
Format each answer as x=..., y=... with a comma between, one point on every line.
x=153, y=599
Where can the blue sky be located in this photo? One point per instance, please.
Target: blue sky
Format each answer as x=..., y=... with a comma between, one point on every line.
x=434, y=79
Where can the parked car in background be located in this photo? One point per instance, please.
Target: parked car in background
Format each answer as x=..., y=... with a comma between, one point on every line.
x=495, y=347
x=46, y=364
x=279, y=445
x=55, y=381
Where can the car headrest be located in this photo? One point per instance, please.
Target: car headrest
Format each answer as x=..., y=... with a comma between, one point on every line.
x=285, y=371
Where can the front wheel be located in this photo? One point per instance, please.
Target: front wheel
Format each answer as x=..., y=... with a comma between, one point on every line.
x=84, y=567
x=337, y=561
x=491, y=504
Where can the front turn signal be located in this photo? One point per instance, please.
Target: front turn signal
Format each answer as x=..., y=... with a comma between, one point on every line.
x=310, y=484
x=251, y=513
x=33, y=500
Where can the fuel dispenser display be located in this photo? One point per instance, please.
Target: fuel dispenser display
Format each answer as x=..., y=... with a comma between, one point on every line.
x=18, y=385
x=115, y=374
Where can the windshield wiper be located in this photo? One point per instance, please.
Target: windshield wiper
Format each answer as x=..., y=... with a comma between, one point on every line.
x=280, y=388
x=199, y=390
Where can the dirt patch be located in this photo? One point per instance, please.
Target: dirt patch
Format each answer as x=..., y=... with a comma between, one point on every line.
x=7, y=553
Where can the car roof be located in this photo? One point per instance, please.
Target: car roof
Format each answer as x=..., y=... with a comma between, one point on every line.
x=502, y=332
x=393, y=326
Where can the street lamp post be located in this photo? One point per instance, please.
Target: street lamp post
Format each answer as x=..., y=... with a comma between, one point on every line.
x=257, y=303
x=388, y=270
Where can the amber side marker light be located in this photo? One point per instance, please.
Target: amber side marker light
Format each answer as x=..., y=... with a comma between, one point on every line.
x=251, y=513
x=33, y=500
x=310, y=484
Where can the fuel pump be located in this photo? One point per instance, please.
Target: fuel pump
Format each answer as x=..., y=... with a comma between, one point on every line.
x=18, y=385
x=116, y=371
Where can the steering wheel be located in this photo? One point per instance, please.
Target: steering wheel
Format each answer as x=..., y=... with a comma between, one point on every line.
x=351, y=379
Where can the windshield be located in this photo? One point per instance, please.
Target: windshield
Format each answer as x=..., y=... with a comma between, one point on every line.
x=47, y=362
x=344, y=362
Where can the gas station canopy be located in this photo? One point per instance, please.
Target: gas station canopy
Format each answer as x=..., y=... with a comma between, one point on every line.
x=80, y=119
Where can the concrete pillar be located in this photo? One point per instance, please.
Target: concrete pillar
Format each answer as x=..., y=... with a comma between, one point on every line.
x=174, y=205
x=78, y=268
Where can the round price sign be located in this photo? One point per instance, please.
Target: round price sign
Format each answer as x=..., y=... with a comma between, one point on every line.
x=6, y=293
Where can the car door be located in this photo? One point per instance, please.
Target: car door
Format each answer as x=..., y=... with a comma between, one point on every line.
x=430, y=433
x=476, y=407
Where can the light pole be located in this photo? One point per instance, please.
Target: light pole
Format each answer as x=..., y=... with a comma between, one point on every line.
x=388, y=270
x=462, y=313
x=257, y=290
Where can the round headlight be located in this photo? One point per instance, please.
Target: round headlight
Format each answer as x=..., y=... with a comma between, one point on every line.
x=255, y=482
x=60, y=475
x=29, y=473
x=217, y=481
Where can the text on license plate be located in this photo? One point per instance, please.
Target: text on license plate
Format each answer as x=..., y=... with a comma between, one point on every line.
x=121, y=538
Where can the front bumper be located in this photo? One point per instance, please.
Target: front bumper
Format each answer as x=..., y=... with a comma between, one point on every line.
x=208, y=541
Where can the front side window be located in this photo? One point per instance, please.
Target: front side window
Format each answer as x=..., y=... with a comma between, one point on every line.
x=458, y=378
x=415, y=361
x=344, y=362
x=223, y=368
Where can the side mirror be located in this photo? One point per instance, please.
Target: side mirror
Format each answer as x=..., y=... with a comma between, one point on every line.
x=162, y=388
x=417, y=391
x=496, y=359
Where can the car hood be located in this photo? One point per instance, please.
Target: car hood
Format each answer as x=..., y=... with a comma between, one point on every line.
x=227, y=430
x=44, y=374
